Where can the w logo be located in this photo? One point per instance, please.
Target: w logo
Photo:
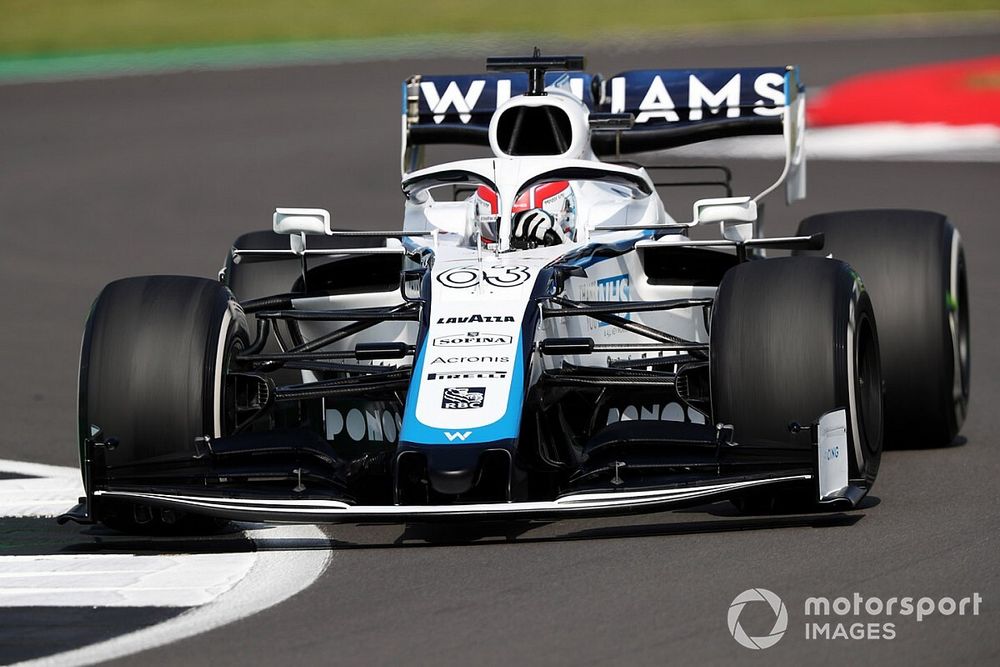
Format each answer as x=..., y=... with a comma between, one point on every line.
x=457, y=435
x=452, y=97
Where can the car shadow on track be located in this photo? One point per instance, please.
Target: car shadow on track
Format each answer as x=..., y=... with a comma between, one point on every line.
x=32, y=536
x=424, y=535
x=728, y=510
x=42, y=536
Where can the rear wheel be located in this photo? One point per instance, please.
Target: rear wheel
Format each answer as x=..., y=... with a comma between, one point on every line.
x=155, y=353
x=792, y=339
x=913, y=266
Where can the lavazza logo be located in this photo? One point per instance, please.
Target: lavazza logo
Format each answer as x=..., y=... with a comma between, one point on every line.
x=475, y=319
x=854, y=617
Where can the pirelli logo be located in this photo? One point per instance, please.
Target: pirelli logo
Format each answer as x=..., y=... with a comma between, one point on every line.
x=468, y=375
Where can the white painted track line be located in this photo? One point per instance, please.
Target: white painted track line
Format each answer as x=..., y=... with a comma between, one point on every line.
x=112, y=580
x=50, y=491
x=274, y=577
x=216, y=589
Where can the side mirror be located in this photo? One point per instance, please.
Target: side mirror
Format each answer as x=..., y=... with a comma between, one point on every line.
x=298, y=222
x=737, y=216
x=489, y=227
x=302, y=221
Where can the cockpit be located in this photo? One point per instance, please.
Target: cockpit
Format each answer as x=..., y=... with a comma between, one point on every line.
x=542, y=178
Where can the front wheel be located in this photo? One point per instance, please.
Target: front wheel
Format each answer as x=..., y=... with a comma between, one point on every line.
x=791, y=339
x=152, y=369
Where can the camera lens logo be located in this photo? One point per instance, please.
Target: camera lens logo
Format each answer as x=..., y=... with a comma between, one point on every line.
x=777, y=608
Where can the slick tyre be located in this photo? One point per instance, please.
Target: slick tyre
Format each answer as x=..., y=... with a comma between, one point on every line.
x=152, y=377
x=913, y=267
x=792, y=339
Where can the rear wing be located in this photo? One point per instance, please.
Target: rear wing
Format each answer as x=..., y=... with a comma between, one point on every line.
x=671, y=107
x=457, y=109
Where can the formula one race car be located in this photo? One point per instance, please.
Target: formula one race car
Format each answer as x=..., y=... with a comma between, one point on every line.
x=541, y=338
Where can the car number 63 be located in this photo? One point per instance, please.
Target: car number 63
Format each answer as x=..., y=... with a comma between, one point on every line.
x=461, y=277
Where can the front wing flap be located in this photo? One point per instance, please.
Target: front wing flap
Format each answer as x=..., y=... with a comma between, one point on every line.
x=320, y=510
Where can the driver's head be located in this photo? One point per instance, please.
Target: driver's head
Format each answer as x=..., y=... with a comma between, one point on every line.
x=555, y=198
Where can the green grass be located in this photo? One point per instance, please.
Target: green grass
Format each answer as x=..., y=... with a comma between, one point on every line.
x=72, y=26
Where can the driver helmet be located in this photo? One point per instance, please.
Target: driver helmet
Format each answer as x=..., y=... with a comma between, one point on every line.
x=555, y=198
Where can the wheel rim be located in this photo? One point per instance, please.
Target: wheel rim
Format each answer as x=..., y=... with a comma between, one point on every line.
x=868, y=385
x=230, y=411
x=962, y=336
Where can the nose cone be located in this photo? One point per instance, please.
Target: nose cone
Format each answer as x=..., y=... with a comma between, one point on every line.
x=452, y=482
x=452, y=471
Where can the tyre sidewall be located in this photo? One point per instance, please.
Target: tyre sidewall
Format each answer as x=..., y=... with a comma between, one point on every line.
x=784, y=345
x=152, y=361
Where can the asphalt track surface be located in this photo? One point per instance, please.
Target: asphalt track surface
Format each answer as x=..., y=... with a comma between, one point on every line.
x=158, y=174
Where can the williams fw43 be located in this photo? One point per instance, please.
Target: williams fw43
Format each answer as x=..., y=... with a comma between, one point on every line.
x=540, y=338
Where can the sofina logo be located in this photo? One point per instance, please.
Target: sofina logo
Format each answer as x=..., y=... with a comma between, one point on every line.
x=777, y=607
x=472, y=339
